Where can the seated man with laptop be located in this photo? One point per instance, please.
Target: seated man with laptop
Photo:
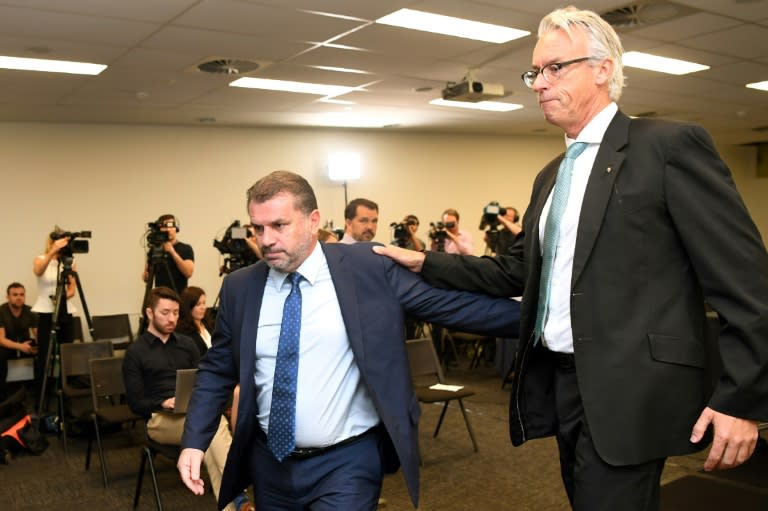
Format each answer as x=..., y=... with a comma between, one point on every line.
x=158, y=370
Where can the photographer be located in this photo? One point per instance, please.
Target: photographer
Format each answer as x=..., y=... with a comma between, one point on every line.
x=18, y=329
x=47, y=267
x=405, y=234
x=238, y=247
x=456, y=241
x=499, y=241
x=178, y=259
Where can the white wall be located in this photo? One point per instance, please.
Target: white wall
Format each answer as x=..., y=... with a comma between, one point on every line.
x=113, y=179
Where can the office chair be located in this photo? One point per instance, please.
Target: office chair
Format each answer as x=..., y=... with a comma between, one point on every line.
x=426, y=372
x=108, y=393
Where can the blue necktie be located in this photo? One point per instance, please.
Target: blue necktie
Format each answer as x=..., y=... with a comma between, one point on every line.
x=552, y=232
x=281, y=438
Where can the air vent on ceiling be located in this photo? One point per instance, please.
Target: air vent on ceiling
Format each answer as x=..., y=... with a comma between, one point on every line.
x=228, y=66
x=643, y=14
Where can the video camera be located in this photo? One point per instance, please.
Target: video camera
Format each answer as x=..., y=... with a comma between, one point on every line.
x=155, y=235
x=235, y=248
x=75, y=245
x=491, y=214
x=401, y=233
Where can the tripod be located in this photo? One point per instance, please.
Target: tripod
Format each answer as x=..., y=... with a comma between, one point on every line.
x=155, y=261
x=59, y=300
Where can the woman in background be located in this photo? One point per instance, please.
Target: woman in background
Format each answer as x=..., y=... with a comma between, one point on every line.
x=47, y=267
x=193, y=318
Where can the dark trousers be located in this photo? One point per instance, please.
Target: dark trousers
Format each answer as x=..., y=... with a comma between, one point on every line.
x=347, y=477
x=591, y=483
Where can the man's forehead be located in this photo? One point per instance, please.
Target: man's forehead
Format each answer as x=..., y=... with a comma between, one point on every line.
x=363, y=211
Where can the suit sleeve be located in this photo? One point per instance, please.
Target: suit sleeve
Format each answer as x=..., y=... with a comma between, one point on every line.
x=729, y=258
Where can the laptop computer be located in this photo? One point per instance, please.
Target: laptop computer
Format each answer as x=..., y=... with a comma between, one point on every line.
x=185, y=382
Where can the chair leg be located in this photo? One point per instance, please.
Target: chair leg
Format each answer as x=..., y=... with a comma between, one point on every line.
x=104, y=474
x=140, y=477
x=63, y=424
x=154, y=483
x=440, y=421
x=469, y=426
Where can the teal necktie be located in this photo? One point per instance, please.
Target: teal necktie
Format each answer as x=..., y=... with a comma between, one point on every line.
x=281, y=438
x=552, y=232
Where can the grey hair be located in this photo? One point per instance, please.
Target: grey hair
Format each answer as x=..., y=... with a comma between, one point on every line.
x=604, y=42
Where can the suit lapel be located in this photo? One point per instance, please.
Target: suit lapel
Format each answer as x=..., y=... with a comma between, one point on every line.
x=599, y=189
x=346, y=292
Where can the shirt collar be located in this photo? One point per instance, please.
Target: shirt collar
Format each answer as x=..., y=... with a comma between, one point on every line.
x=309, y=269
x=594, y=131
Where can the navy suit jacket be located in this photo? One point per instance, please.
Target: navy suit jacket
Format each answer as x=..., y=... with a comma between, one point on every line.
x=373, y=292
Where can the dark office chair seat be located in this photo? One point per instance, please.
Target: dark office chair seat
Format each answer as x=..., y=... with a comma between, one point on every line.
x=115, y=328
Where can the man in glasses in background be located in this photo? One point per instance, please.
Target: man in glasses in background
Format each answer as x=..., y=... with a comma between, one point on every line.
x=618, y=253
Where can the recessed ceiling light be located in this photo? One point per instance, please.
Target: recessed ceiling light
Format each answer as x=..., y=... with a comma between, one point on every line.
x=661, y=64
x=288, y=86
x=342, y=70
x=490, y=106
x=759, y=85
x=51, y=66
x=448, y=25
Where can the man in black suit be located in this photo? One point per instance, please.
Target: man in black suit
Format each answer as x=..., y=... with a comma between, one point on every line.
x=354, y=415
x=613, y=359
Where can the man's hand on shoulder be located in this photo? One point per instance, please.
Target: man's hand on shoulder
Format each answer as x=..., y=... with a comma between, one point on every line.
x=411, y=259
x=189, y=469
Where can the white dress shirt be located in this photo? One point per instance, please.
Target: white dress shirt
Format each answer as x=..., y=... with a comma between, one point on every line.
x=332, y=404
x=558, y=335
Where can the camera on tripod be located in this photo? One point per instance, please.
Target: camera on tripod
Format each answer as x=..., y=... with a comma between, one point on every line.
x=491, y=214
x=75, y=245
x=235, y=249
x=155, y=235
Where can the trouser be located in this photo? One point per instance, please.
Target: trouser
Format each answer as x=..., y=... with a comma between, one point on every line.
x=591, y=483
x=348, y=475
x=167, y=428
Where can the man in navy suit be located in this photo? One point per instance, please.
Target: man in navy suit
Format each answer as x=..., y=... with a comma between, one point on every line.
x=356, y=416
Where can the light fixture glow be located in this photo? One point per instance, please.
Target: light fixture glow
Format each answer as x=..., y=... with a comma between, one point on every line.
x=288, y=86
x=448, y=25
x=660, y=64
x=342, y=70
x=51, y=66
x=344, y=166
x=759, y=85
x=489, y=106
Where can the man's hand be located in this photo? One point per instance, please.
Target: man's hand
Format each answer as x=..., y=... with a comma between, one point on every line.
x=169, y=404
x=189, y=468
x=28, y=348
x=168, y=247
x=734, y=441
x=409, y=258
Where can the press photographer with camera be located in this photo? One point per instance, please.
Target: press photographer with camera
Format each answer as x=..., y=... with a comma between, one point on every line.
x=404, y=234
x=499, y=241
x=447, y=237
x=238, y=246
x=170, y=261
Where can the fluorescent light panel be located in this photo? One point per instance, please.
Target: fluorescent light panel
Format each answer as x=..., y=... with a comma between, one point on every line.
x=344, y=166
x=660, y=64
x=342, y=70
x=288, y=86
x=759, y=85
x=448, y=25
x=51, y=66
x=489, y=106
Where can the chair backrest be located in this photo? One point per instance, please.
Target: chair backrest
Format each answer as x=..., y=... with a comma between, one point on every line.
x=75, y=357
x=107, y=386
x=113, y=327
x=423, y=359
x=77, y=329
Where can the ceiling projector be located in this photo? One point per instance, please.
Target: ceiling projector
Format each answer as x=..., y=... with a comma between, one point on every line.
x=471, y=90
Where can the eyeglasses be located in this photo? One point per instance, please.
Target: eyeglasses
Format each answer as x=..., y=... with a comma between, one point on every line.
x=551, y=72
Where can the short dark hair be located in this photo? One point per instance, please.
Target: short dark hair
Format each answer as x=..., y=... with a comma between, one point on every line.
x=283, y=181
x=164, y=218
x=13, y=285
x=452, y=212
x=411, y=218
x=350, y=211
x=161, y=293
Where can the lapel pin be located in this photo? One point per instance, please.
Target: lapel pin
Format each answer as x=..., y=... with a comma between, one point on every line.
x=609, y=169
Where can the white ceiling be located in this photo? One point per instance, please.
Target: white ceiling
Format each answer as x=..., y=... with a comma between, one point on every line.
x=152, y=48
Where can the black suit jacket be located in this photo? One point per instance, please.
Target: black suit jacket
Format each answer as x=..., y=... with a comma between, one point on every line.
x=661, y=229
x=372, y=293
